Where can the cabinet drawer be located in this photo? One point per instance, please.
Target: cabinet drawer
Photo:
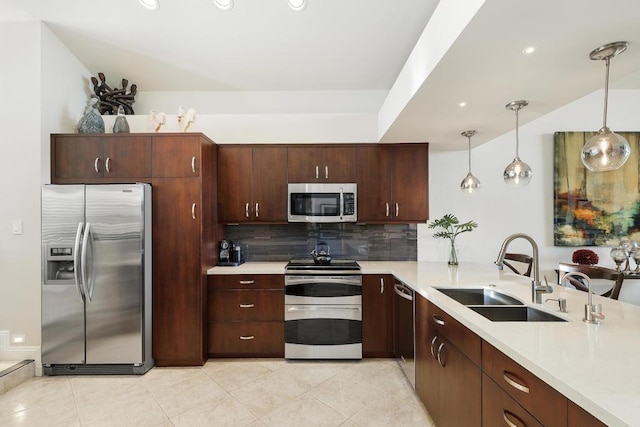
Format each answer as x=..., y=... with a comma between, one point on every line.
x=246, y=281
x=233, y=304
x=536, y=396
x=499, y=409
x=258, y=339
x=463, y=338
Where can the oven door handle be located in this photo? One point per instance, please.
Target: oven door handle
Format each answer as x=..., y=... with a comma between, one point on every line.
x=323, y=308
x=403, y=292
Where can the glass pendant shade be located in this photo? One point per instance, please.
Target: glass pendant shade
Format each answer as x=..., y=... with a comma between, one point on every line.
x=606, y=151
x=470, y=184
x=517, y=173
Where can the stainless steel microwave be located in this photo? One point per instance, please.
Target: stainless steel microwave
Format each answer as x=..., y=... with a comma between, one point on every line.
x=322, y=202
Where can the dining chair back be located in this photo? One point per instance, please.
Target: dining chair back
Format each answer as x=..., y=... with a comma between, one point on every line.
x=522, y=263
x=602, y=273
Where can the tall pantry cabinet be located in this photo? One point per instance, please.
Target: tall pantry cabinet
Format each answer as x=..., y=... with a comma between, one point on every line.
x=181, y=168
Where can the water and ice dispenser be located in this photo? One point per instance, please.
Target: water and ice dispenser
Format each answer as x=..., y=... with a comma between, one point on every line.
x=59, y=264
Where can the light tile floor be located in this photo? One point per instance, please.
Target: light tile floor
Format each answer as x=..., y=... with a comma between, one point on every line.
x=224, y=392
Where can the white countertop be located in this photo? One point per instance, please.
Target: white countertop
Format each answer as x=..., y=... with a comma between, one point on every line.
x=596, y=366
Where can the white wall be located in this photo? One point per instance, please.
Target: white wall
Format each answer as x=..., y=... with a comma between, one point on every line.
x=39, y=81
x=500, y=210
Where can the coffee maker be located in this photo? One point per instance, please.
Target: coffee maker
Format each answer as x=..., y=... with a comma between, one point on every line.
x=229, y=254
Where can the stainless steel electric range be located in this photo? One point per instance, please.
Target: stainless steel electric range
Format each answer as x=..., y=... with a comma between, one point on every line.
x=323, y=310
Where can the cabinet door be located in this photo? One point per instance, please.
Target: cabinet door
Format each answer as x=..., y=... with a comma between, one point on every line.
x=178, y=290
x=175, y=156
x=339, y=164
x=269, y=184
x=409, y=186
x=377, y=315
x=304, y=164
x=428, y=371
x=234, y=184
x=127, y=157
x=75, y=158
x=374, y=184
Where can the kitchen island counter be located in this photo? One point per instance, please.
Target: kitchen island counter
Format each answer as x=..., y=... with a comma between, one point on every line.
x=595, y=366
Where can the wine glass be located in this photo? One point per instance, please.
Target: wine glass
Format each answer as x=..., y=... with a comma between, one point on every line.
x=619, y=256
x=629, y=247
x=636, y=258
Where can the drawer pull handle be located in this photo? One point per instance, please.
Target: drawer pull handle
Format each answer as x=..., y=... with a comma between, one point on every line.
x=193, y=164
x=247, y=282
x=382, y=285
x=506, y=414
x=438, y=320
x=247, y=337
x=440, y=359
x=513, y=383
x=433, y=343
x=246, y=305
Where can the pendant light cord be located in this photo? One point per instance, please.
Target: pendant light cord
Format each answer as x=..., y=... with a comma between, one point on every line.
x=517, y=138
x=469, y=145
x=606, y=92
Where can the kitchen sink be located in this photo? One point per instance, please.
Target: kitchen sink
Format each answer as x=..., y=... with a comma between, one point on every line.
x=479, y=296
x=515, y=314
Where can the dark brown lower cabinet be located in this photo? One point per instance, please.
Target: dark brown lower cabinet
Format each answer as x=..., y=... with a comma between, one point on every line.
x=447, y=381
x=377, y=315
x=498, y=408
x=578, y=417
x=245, y=315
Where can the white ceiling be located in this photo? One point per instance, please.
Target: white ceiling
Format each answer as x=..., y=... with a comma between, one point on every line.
x=356, y=45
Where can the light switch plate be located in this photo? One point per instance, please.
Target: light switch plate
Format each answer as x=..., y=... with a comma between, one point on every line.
x=16, y=227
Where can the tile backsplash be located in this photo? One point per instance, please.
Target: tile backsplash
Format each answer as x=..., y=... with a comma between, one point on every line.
x=392, y=242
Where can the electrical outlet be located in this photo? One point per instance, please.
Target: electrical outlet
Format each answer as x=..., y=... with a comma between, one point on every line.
x=16, y=226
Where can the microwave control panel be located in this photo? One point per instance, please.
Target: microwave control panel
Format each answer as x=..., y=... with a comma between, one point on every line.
x=349, y=204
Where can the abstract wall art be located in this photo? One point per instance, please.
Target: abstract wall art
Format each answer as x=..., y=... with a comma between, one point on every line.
x=594, y=208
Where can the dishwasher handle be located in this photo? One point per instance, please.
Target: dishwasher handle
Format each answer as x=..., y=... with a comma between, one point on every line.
x=403, y=291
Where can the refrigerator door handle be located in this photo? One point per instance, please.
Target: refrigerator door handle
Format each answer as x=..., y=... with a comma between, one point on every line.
x=87, y=268
x=77, y=262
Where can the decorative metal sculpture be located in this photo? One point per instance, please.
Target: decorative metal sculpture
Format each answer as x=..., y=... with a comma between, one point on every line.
x=111, y=99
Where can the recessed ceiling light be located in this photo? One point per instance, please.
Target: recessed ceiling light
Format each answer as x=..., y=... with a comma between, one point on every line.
x=297, y=5
x=462, y=104
x=529, y=50
x=224, y=4
x=150, y=4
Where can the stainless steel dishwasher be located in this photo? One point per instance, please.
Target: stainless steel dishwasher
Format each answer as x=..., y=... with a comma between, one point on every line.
x=403, y=308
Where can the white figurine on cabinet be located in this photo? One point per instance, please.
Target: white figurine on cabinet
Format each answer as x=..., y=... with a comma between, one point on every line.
x=158, y=119
x=185, y=119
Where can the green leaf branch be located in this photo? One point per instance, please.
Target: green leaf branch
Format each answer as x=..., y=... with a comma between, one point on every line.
x=449, y=227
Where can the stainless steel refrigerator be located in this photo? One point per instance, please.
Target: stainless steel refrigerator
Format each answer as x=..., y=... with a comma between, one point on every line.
x=96, y=279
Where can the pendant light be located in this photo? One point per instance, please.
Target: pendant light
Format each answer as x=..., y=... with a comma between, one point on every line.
x=517, y=173
x=470, y=183
x=606, y=150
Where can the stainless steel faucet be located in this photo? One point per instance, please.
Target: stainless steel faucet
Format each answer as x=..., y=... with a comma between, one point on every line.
x=592, y=313
x=537, y=288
